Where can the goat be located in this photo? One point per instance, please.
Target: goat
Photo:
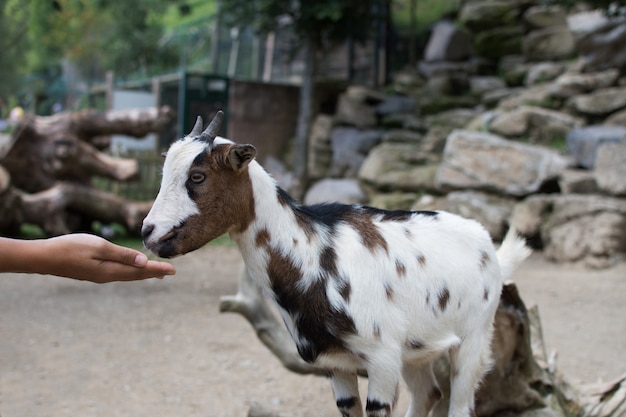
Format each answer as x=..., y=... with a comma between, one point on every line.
x=358, y=288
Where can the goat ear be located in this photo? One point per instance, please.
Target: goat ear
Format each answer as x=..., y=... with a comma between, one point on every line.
x=240, y=156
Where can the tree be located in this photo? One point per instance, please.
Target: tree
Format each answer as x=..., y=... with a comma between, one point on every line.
x=93, y=35
x=13, y=30
x=315, y=24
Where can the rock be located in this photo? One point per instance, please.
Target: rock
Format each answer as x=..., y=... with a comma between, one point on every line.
x=499, y=42
x=349, y=147
x=604, y=48
x=489, y=210
x=587, y=21
x=618, y=118
x=482, y=161
x=320, y=149
x=447, y=42
x=600, y=102
x=404, y=121
x=398, y=166
x=480, y=85
x=577, y=181
x=402, y=135
x=393, y=200
x=543, y=72
x=396, y=104
x=481, y=16
x=610, y=168
x=575, y=227
x=537, y=17
x=492, y=98
x=583, y=143
x=513, y=69
x=364, y=94
x=528, y=215
x=570, y=84
x=458, y=118
x=535, y=124
x=538, y=96
x=354, y=112
x=347, y=191
x=550, y=43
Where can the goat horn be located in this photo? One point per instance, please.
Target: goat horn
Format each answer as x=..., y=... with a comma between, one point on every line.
x=197, y=128
x=214, y=127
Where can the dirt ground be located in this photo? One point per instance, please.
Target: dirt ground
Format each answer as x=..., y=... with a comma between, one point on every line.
x=161, y=348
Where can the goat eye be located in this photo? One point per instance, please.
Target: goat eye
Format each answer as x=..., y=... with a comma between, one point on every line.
x=197, y=177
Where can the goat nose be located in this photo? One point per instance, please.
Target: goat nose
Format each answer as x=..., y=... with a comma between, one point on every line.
x=146, y=231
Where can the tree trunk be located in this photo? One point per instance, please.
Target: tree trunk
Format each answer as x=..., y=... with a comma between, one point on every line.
x=304, y=119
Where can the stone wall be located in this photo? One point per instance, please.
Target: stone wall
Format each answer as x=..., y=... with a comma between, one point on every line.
x=532, y=136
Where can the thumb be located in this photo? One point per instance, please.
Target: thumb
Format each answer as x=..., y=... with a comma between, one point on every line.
x=127, y=256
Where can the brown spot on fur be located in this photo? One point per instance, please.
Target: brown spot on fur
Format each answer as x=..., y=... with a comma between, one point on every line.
x=328, y=260
x=389, y=292
x=376, y=331
x=345, y=290
x=400, y=268
x=408, y=233
x=444, y=297
x=421, y=259
x=427, y=298
x=414, y=344
x=433, y=396
x=371, y=237
x=321, y=328
x=486, y=294
x=262, y=239
x=484, y=259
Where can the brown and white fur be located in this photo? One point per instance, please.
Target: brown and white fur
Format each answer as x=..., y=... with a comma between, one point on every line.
x=357, y=287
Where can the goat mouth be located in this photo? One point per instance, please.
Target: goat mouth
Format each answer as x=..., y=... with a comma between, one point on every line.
x=167, y=238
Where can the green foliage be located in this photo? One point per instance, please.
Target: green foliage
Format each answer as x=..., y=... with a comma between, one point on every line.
x=428, y=12
x=320, y=20
x=13, y=27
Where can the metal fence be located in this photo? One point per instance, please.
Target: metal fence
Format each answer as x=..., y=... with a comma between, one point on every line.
x=143, y=189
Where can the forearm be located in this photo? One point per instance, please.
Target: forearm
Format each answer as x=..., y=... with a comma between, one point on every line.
x=18, y=255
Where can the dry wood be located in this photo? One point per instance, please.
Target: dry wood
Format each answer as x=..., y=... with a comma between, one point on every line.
x=47, y=164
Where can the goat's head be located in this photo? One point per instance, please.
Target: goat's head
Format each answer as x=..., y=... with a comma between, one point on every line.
x=205, y=192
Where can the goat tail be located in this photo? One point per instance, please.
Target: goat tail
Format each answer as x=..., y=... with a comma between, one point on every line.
x=511, y=253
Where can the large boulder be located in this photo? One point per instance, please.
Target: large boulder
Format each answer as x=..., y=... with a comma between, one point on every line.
x=479, y=16
x=537, y=17
x=342, y=190
x=398, y=166
x=350, y=145
x=571, y=83
x=583, y=143
x=489, y=210
x=498, y=42
x=600, y=102
x=448, y=42
x=482, y=161
x=535, y=124
x=550, y=43
x=575, y=227
x=610, y=169
x=604, y=47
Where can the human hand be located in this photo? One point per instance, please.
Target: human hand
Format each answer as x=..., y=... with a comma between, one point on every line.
x=92, y=258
